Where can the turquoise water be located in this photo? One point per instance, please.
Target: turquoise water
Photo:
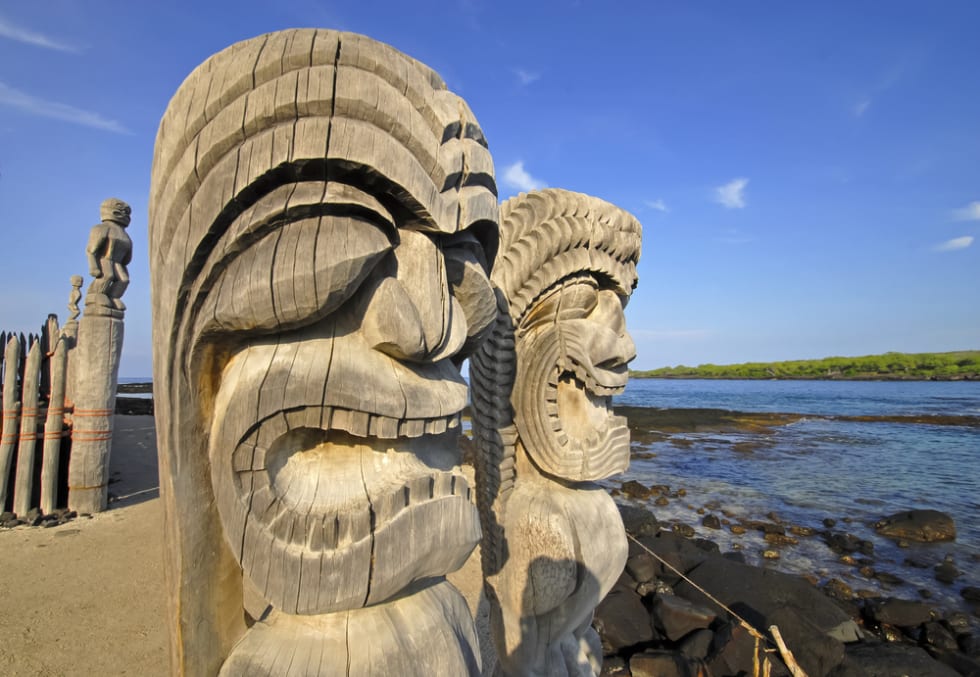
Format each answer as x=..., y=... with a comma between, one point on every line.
x=820, y=467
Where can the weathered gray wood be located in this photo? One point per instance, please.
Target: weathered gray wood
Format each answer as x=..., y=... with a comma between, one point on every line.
x=54, y=428
x=27, y=444
x=11, y=413
x=95, y=359
x=553, y=541
x=306, y=197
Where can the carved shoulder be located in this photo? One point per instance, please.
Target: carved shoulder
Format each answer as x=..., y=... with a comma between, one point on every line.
x=543, y=565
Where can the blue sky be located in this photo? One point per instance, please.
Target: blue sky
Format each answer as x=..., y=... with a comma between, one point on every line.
x=807, y=174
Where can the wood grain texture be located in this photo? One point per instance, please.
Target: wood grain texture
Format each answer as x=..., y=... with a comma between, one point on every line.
x=27, y=444
x=306, y=197
x=553, y=541
x=11, y=414
x=54, y=428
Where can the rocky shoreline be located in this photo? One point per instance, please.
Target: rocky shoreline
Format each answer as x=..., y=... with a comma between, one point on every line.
x=657, y=622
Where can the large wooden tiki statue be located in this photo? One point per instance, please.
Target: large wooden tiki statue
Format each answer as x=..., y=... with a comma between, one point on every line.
x=553, y=543
x=320, y=209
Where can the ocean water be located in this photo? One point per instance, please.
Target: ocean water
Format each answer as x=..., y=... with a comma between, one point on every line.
x=859, y=451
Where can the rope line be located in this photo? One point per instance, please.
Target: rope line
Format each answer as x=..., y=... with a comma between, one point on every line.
x=778, y=646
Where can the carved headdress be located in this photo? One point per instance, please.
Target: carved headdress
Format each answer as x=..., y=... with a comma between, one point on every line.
x=557, y=248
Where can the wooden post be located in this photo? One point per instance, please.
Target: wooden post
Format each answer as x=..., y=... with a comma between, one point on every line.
x=11, y=414
x=28, y=431
x=53, y=429
x=96, y=370
x=49, y=340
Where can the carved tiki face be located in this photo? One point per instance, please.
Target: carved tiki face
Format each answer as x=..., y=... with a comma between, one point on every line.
x=570, y=335
x=115, y=210
x=322, y=207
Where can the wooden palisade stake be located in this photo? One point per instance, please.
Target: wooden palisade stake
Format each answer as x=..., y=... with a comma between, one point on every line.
x=24, y=484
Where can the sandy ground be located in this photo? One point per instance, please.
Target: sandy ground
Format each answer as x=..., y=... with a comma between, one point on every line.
x=88, y=598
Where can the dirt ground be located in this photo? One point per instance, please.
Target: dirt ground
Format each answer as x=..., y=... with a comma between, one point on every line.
x=87, y=597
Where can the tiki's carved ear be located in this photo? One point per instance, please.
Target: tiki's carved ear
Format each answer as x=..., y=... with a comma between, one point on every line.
x=320, y=214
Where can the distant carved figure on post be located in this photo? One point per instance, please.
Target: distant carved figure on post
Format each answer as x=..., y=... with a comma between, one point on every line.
x=320, y=207
x=109, y=252
x=553, y=542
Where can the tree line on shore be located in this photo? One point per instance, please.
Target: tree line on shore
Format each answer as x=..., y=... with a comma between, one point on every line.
x=961, y=365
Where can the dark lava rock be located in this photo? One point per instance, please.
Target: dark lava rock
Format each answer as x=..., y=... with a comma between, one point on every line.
x=675, y=616
x=802, y=531
x=838, y=589
x=961, y=663
x=829, y=522
x=685, y=530
x=662, y=664
x=622, y=621
x=934, y=634
x=638, y=521
x=888, y=579
x=890, y=660
x=614, y=666
x=779, y=540
x=711, y=522
x=733, y=651
x=679, y=552
x=697, y=644
x=634, y=489
x=134, y=406
x=761, y=592
x=816, y=652
x=970, y=593
x=900, y=612
x=924, y=526
x=642, y=567
x=845, y=543
x=946, y=571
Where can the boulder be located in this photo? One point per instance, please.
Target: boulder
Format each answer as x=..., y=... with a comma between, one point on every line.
x=622, y=621
x=761, y=592
x=662, y=664
x=899, y=612
x=923, y=526
x=697, y=644
x=679, y=552
x=711, y=522
x=636, y=490
x=675, y=616
x=890, y=660
x=642, y=567
x=733, y=652
x=638, y=521
x=817, y=653
x=614, y=666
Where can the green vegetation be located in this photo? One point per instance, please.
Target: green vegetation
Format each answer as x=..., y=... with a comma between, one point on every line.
x=963, y=365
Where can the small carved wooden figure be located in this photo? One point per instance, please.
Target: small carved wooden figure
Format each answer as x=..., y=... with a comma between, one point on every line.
x=554, y=542
x=109, y=252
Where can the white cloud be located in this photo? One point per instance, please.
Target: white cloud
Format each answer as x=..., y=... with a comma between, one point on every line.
x=526, y=77
x=657, y=204
x=954, y=244
x=59, y=111
x=732, y=194
x=29, y=37
x=517, y=177
x=861, y=107
x=971, y=212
